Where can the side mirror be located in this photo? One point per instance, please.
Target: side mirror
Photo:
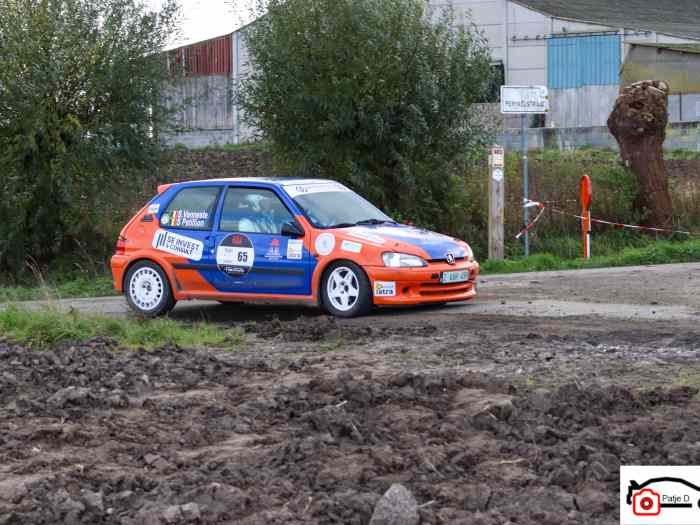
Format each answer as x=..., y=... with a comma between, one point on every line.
x=292, y=229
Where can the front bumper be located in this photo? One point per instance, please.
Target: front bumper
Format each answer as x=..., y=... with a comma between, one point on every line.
x=422, y=285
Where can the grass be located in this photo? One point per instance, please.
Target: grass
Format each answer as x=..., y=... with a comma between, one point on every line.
x=661, y=252
x=69, y=289
x=48, y=326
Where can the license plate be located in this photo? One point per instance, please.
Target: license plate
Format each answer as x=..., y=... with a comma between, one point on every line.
x=459, y=276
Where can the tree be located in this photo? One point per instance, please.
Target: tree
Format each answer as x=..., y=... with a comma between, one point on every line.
x=377, y=93
x=638, y=123
x=81, y=105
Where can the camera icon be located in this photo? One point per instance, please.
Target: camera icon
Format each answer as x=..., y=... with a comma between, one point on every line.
x=646, y=502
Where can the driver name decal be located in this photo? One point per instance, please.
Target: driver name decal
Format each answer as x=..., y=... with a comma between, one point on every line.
x=179, y=245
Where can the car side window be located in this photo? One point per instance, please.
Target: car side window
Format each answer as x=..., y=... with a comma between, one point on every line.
x=253, y=210
x=191, y=209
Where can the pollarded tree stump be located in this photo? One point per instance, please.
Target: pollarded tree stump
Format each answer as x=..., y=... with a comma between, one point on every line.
x=638, y=123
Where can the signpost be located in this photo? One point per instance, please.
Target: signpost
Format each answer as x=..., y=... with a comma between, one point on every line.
x=524, y=101
x=496, y=203
x=586, y=194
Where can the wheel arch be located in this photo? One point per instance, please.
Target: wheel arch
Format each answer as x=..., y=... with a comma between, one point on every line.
x=321, y=271
x=172, y=280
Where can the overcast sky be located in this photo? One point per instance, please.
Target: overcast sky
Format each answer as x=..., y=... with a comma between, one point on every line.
x=203, y=19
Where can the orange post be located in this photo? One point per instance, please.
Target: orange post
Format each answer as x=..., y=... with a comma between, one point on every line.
x=586, y=195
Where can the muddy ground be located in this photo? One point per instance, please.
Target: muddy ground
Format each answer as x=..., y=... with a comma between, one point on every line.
x=487, y=420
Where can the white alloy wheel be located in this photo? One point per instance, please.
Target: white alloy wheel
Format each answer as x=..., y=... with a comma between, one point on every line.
x=343, y=288
x=146, y=289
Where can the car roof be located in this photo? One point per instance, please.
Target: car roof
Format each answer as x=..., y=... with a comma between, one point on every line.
x=275, y=181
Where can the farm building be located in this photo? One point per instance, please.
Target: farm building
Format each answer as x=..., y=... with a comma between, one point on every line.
x=576, y=48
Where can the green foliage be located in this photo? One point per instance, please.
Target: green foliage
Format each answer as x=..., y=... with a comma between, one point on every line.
x=376, y=93
x=80, y=287
x=47, y=327
x=652, y=252
x=81, y=106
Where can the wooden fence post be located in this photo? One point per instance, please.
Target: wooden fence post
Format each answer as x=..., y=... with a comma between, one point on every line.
x=496, y=203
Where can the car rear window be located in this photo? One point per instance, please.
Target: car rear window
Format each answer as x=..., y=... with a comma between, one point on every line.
x=191, y=209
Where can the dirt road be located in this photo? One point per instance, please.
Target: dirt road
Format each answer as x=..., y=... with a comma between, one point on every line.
x=517, y=408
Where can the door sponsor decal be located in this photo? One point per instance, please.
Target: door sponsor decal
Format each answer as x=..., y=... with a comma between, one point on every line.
x=325, y=243
x=349, y=246
x=384, y=288
x=176, y=244
x=273, y=251
x=295, y=249
x=235, y=255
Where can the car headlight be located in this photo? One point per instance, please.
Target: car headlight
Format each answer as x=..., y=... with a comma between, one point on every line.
x=403, y=260
x=468, y=253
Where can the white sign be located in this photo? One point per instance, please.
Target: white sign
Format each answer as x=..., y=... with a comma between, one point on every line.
x=178, y=245
x=498, y=157
x=498, y=174
x=524, y=99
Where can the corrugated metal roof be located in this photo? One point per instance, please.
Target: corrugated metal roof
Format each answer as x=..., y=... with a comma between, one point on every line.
x=577, y=61
x=679, y=17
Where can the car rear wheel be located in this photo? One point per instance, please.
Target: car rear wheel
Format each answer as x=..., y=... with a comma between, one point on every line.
x=147, y=290
x=345, y=290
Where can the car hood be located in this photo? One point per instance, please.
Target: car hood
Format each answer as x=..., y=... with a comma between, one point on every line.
x=434, y=244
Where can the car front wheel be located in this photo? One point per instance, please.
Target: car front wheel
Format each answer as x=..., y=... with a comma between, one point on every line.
x=147, y=290
x=345, y=290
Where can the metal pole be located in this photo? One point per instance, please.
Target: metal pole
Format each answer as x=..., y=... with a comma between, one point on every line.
x=526, y=191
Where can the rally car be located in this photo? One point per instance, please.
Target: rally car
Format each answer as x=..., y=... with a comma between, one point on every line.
x=274, y=239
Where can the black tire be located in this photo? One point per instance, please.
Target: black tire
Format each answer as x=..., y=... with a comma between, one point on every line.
x=359, y=299
x=156, y=298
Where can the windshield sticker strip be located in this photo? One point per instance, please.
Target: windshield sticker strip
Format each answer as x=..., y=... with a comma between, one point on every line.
x=296, y=190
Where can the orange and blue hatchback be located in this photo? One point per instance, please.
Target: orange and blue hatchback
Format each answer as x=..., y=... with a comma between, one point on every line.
x=289, y=240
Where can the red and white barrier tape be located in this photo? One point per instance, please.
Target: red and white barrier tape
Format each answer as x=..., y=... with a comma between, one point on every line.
x=535, y=204
x=625, y=226
x=531, y=204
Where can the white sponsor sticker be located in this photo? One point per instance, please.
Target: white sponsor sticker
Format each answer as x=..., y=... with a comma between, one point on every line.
x=295, y=249
x=235, y=256
x=384, y=288
x=325, y=243
x=307, y=188
x=176, y=244
x=367, y=236
x=349, y=246
x=153, y=208
x=659, y=494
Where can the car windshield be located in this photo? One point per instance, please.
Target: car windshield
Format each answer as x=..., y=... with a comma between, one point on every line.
x=337, y=207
